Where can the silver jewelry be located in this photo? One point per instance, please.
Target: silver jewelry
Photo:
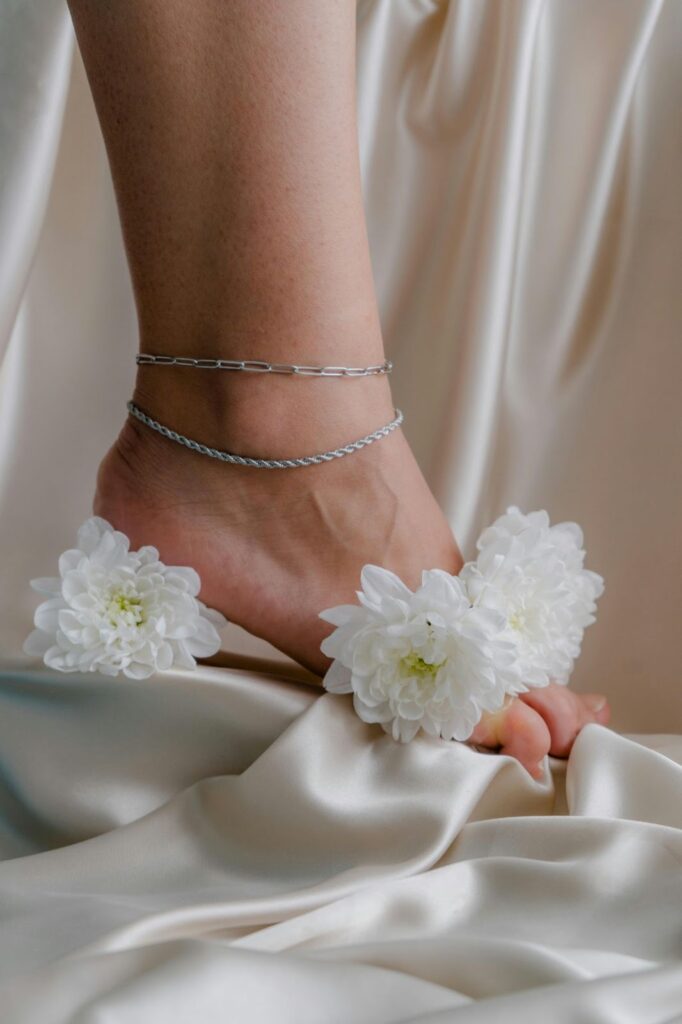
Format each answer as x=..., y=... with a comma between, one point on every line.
x=245, y=460
x=260, y=366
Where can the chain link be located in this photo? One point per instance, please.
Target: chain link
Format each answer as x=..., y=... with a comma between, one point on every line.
x=260, y=366
x=244, y=460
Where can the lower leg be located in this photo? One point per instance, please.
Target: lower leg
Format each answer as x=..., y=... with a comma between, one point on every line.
x=231, y=133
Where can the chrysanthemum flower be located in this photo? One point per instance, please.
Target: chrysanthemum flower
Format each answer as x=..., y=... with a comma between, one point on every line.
x=533, y=574
x=113, y=610
x=423, y=659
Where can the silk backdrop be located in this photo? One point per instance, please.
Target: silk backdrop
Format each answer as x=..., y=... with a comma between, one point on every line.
x=161, y=841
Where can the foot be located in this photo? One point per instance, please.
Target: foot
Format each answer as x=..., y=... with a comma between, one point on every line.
x=543, y=721
x=274, y=547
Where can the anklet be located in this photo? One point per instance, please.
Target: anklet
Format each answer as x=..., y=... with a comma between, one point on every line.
x=245, y=460
x=260, y=366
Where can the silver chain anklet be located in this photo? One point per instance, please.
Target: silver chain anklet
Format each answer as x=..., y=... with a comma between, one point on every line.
x=260, y=366
x=245, y=460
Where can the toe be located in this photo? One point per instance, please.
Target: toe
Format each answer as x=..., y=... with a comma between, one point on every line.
x=517, y=730
x=525, y=736
x=596, y=707
x=565, y=713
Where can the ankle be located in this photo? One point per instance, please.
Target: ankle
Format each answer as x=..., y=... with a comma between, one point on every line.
x=271, y=417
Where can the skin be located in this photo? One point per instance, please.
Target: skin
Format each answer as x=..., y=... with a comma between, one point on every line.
x=232, y=137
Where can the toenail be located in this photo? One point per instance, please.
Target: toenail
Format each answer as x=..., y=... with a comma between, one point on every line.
x=595, y=703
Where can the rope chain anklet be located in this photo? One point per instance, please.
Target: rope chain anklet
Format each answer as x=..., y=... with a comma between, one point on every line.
x=260, y=366
x=245, y=460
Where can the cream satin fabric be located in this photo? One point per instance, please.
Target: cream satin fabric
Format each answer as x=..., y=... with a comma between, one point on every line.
x=226, y=845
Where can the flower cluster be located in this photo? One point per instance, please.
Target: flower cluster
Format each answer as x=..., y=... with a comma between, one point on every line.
x=440, y=656
x=426, y=659
x=113, y=610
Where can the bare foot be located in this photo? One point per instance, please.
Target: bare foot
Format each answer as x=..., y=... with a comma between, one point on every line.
x=543, y=721
x=273, y=547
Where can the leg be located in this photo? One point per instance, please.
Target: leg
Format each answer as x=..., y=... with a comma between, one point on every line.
x=232, y=138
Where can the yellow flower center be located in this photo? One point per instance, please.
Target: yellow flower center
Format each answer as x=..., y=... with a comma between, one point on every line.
x=517, y=621
x=414, y=665
x=130, y=608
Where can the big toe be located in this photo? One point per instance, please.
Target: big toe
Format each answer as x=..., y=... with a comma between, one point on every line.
x=565, y=713
x=518, y=730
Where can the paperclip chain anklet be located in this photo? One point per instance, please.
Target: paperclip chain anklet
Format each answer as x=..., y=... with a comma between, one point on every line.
x=261, y=366
x=244, y=460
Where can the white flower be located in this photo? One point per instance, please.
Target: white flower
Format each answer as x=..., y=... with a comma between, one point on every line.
x=533, y=574
x=425, y=659
x=113, y=610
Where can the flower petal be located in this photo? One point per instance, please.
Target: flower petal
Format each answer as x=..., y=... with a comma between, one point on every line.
x=184, y=578
x=164, y=657
x=342, y=614
x=213, y=615
x=378, y=583
x=46, y=615
x=337, y=679
x=205, y=641
x=91, y=532
x=37, y=642
x=370, y=713
x=136, y=670
x=51, y=585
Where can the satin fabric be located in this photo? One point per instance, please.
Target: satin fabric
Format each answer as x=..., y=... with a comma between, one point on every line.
x=223, y=846
x=235, y=845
